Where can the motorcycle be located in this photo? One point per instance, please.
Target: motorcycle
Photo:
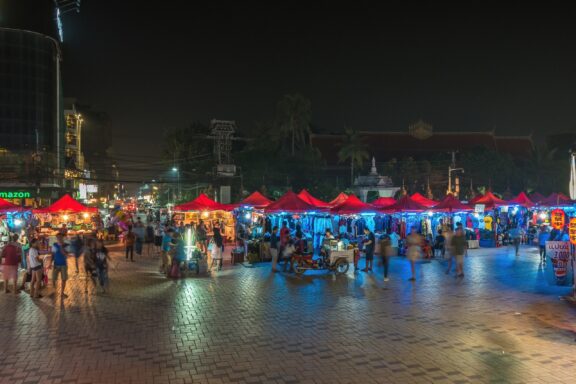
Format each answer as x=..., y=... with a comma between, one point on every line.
x=306, y=261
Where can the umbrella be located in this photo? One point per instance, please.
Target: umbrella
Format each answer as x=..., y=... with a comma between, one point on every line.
x=556, y=200
x=67, y=204
x=522, y=199
x=307, y=197
x=423, y=200
x=383, y=202
x=202, y=203
x=405, y=204
x=256, y=200
x=6, y=206
x=338, y=199
x=290, y=202
x=351, y=206
x=451, y=204
x=490, y=201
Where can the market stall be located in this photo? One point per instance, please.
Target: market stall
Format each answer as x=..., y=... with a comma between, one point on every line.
x=352, y=216
x=490, y=233
x=450, y=209
x=210, y=212
x=10, y=220
x=67, y=213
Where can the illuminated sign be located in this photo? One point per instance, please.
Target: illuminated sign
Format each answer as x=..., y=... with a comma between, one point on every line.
x=15, y=195
x=557, y=219
x=572, y=230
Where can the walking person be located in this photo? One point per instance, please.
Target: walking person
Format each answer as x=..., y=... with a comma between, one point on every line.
x=459, y=245
x=439, y=244
x=284, y=240
x=11, y=257
x=129, y=240
x=35, y=264
x=179, y=255
x=394, y=240
x=202, y=236
x=369, y=245
x=165, y=247
x=90, y=264
x=102, y=259
x=274, y=241
x=158, y=237
x=218, y=248
x=516, y=236
x=543, y=237
x=77, y=245
x=387, y=252
x=414, y=250
x=149, y=237
x=59, y=263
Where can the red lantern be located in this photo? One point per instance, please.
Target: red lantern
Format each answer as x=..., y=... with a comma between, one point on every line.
x=557, y=219
x=572, y=230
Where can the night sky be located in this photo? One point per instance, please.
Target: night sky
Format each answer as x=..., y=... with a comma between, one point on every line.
x=476, y=66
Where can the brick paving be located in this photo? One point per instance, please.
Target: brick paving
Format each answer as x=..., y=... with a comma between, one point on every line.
x=501, y=324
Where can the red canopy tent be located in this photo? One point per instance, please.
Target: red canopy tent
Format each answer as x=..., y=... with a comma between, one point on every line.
x=339, y=199
x=522, y=199
x=451, y=204
x=475, y=199
x=202, y=203
x=290, y=202
x=351, y=206
x=490, y=201
x=557, y=200
x=256, y=200
x=537, y=197
x=6, y=206
x=423, y=200
x=307, y=197
x=383, y=202
x=405, y=204
x=67, y=204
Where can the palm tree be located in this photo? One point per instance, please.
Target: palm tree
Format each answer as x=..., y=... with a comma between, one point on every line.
x=293, y=119
x=353, y=149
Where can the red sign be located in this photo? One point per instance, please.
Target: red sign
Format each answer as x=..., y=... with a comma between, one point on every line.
x=572, y=230
x=557, y=219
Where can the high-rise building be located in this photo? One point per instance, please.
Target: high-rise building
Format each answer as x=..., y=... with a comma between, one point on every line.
x=32, y=130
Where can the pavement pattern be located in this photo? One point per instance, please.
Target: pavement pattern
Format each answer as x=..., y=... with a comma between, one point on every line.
x=502, y=323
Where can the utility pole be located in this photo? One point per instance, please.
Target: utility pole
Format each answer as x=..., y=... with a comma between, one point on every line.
x=452, y=168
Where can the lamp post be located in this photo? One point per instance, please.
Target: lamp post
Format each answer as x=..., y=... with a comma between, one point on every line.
x=450, y=170
x=175, y=169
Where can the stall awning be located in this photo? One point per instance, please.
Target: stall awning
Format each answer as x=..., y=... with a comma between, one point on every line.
x=451, y=204
x=291, y=203
x=202, y=203
x=307, y=197
x=351, y=206
x=6, y=206
x=423, y=200
x=490, y=201
x=537, y=197
x=338, y=199
x=383, y=202
x=405, y=205
x=256, y=200
x=67, y=204
x=522, y=199
x=557, y=200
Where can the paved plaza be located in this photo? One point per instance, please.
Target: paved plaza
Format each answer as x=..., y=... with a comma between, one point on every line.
x=501, y=324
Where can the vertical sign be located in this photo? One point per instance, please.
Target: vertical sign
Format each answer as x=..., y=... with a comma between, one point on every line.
x=558, y=253
x=557, y=219
x=572, y=230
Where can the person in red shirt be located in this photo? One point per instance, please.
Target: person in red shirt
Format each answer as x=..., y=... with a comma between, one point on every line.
x=284, y=234
x=11, y=257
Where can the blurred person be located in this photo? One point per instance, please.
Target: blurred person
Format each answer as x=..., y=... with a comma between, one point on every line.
x=35, y=263
x=369, y=245
x=543, y=237
x=11, y=257
x=90, y=264
x=414, y=250
x=102, y=259
x=129, y=241
x=274, y=243
x=459, y=244
x=60, y=263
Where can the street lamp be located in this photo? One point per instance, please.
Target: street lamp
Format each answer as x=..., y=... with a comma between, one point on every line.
x=175, y=169
x=450, y=170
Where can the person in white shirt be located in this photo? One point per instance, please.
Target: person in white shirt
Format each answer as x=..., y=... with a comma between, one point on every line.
x=35, y=264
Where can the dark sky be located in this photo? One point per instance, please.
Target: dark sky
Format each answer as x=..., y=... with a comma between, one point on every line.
x=475, y=66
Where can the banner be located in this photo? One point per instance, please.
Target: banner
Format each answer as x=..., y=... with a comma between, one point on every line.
x=572, y=230
x=557, y=219
x=558, y=253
